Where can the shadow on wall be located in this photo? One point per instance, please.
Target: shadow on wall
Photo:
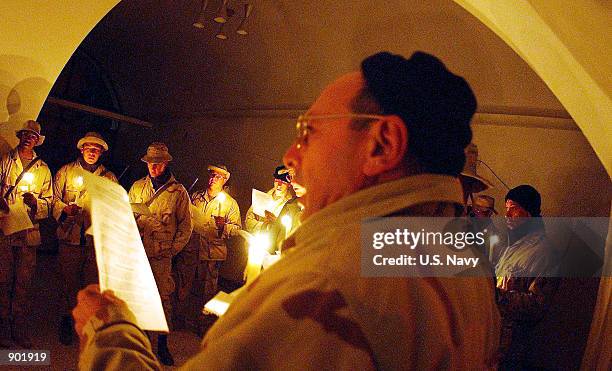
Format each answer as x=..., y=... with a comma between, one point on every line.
x=21, y=97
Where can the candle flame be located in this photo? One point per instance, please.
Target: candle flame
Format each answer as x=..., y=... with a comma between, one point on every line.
x=78, y=181
x=28, y=178
x=286, y=222
x=221, y=197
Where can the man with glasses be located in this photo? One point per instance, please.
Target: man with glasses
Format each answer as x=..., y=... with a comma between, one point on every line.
x=199, y=275
x=25, y=181
x=385, y=141
x=77, y=259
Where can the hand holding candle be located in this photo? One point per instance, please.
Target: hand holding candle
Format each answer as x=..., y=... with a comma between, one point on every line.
x=29, y=199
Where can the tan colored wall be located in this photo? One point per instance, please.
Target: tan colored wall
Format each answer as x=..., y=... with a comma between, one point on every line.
x=38, y=38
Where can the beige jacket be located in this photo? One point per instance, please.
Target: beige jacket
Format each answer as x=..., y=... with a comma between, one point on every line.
x=67, y=190
x=213, y=243
x=314, y=310
x=168, y=229
x=10, y=168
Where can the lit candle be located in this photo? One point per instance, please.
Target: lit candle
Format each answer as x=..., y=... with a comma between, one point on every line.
x=78, y=184
x=221, y=198
x=286, y=222
x=28, y=179
x=258, y=249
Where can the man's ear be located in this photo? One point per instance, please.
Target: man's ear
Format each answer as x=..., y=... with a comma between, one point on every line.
x=386, y=147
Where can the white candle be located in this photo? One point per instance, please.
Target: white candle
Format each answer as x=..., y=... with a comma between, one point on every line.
x=286, y=222
x=258, y=249
x=221, y=198
x=28, y=179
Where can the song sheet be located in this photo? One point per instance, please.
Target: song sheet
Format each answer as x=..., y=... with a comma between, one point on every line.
x=16, y=220
x=122, y=262
x=261, y=202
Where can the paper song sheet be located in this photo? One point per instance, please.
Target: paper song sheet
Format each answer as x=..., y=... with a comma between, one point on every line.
x=261, y=202
x=16, y=220
x=220, y=303
x=122, y=262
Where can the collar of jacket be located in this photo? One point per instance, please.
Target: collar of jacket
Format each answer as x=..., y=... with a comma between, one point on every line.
x=380, y=200
x=15, y=154
x=85, y=166
x=170, y=179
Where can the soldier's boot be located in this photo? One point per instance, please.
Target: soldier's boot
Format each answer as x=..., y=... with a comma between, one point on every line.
x=6, y=341
x=21, y=334
x=163, y=353
x=66, y=330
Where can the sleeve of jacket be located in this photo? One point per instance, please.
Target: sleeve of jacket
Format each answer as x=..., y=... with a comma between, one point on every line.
x=184, y=225
x=297, y=324
x=116, y=343
x=233, y=224
x=45, y=197
x=530, y=305
x=58, y=192
x=250, y=222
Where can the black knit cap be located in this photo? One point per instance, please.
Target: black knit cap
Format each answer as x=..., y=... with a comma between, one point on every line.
x=528, y=197
x=436, y=105
x=282, y=173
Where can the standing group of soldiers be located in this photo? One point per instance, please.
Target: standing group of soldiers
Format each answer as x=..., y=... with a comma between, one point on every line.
x=182, y=262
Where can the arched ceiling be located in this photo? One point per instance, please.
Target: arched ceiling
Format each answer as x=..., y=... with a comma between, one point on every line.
x=165, y=69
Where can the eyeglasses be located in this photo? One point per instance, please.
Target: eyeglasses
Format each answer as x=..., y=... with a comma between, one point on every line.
x=213, y=175
x=302, y=126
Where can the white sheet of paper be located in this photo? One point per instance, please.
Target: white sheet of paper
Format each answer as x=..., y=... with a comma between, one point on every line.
x=122, y=262
x=140, y=208
x=16, y=220
x=220, y=303
x=261, y=202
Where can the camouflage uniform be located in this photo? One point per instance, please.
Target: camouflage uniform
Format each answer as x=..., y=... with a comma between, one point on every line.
x=164, y=233
x=212, y=243
x=314, y=310
x=18, y=250
x=76, y=251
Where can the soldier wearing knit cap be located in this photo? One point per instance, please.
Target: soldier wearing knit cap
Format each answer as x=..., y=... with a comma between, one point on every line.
x=525, y=275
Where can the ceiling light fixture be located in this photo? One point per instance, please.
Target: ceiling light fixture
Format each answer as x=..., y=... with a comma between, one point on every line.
x=248, y=9
x=199, y=23
x=222, y=17
x=221, y=34
x=222, y=13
